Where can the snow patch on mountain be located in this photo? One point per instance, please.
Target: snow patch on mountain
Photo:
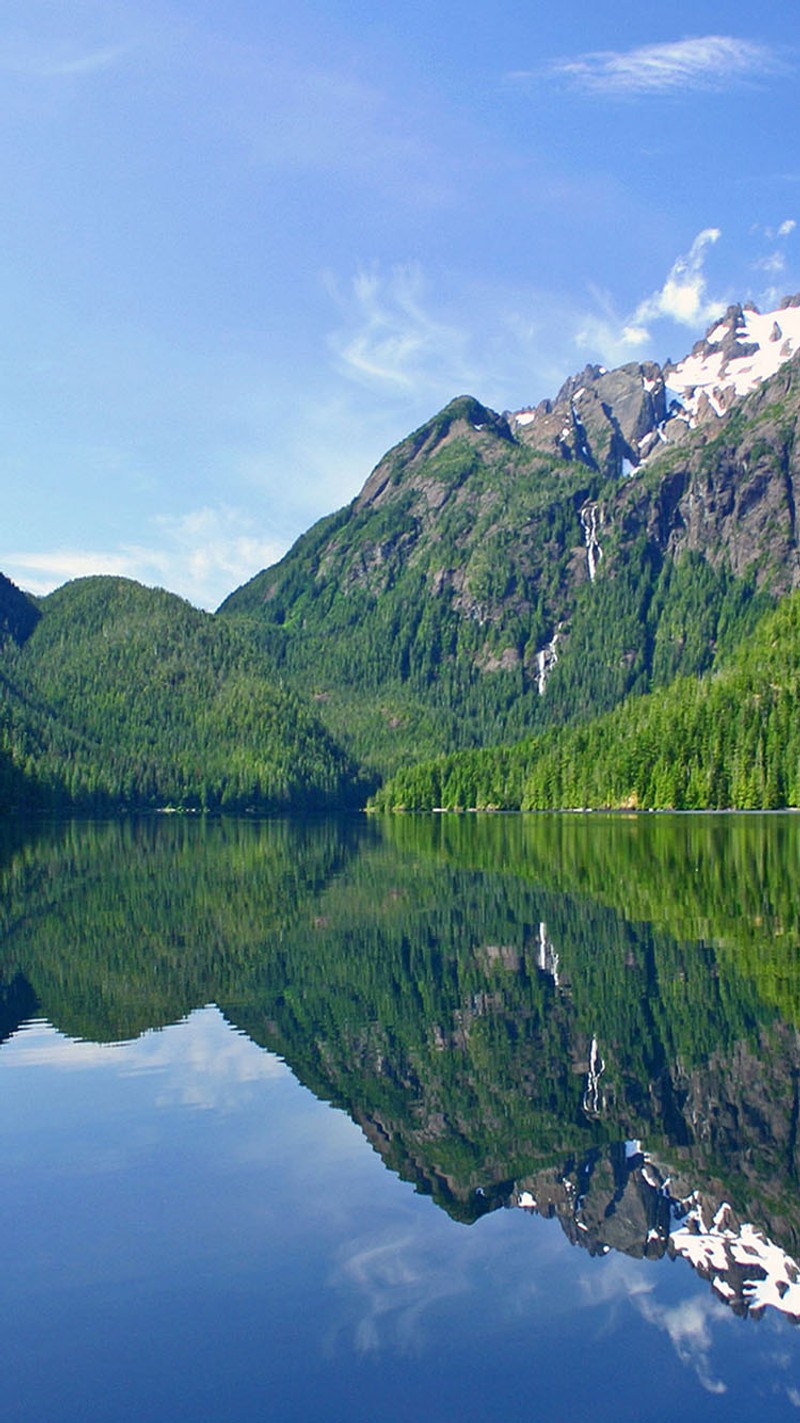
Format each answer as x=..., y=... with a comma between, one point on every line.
x=744, y=349
x=642, y=1217
x=726, y=1252
x=738, y=353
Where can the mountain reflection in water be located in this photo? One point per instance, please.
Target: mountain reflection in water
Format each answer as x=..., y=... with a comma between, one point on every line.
x=590, y=1018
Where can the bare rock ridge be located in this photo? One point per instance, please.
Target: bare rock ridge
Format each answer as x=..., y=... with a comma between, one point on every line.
x=622, y=1199
x=603, y=418
x=608, y=417
x=737, y=354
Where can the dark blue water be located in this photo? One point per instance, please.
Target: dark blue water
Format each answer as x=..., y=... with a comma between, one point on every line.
x=191, y=1233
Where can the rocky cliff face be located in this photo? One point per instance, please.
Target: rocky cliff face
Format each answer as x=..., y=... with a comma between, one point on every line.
x=700, y=466
x=602, y=418
x=712, y=1184
x=637, y=408
x=727, y=487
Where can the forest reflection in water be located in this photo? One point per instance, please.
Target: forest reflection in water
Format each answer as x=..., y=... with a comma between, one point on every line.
x=593, y=1019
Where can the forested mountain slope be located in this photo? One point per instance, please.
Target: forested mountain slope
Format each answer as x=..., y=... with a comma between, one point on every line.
x=122, y=695
x=18, y=613
x=730, y=739
x=503, y=573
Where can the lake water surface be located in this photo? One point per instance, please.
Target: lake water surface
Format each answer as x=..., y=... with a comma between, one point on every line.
x=453, y=1118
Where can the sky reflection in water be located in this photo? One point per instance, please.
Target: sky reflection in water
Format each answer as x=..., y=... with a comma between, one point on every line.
x=194, y=1235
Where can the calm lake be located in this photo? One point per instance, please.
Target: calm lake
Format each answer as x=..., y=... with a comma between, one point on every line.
x=453, y=1118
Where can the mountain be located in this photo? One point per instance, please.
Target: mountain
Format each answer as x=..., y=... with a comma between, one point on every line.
x=501, y=573
x=499, y=576
x=118, y=695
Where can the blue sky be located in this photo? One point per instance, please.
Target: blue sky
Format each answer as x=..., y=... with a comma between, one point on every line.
x=244, y=249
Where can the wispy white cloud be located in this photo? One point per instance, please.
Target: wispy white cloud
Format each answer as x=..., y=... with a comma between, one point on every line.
x=39, y=1044
x=684, y=297
x=710, y=62
x=778, y=233
x=204, y=1063
x=200, y=1062
x=687, y=1325
x=618, y=1282
x=773, y=263
x=31, y=59
x=606, y=333
x=202, y=555
x=391, y=340
x=216, y=547
x=393, y=1283
x=398, y=337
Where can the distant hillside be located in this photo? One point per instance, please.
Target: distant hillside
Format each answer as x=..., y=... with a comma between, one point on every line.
x=125, y=696
x=729, y=739
x=501, y=574
x=18, y=613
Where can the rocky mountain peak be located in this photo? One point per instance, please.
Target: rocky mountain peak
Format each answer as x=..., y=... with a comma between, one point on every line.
x=587, y=377
x=599, y=417
x=740, y=351
x=462, y=418
x=612, y=420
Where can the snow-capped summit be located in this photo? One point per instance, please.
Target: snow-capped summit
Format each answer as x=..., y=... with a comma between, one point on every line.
x=737, y=353
x=613, y=421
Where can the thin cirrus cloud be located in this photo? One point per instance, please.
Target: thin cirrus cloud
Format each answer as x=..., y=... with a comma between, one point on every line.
x=392, y=1284
x=709, y=62
x=389, y=338
x=26, y=60
x=774, y=262
x=692, y=1325
x=688, y=1326
x=199, y=1062
x=397, y=337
